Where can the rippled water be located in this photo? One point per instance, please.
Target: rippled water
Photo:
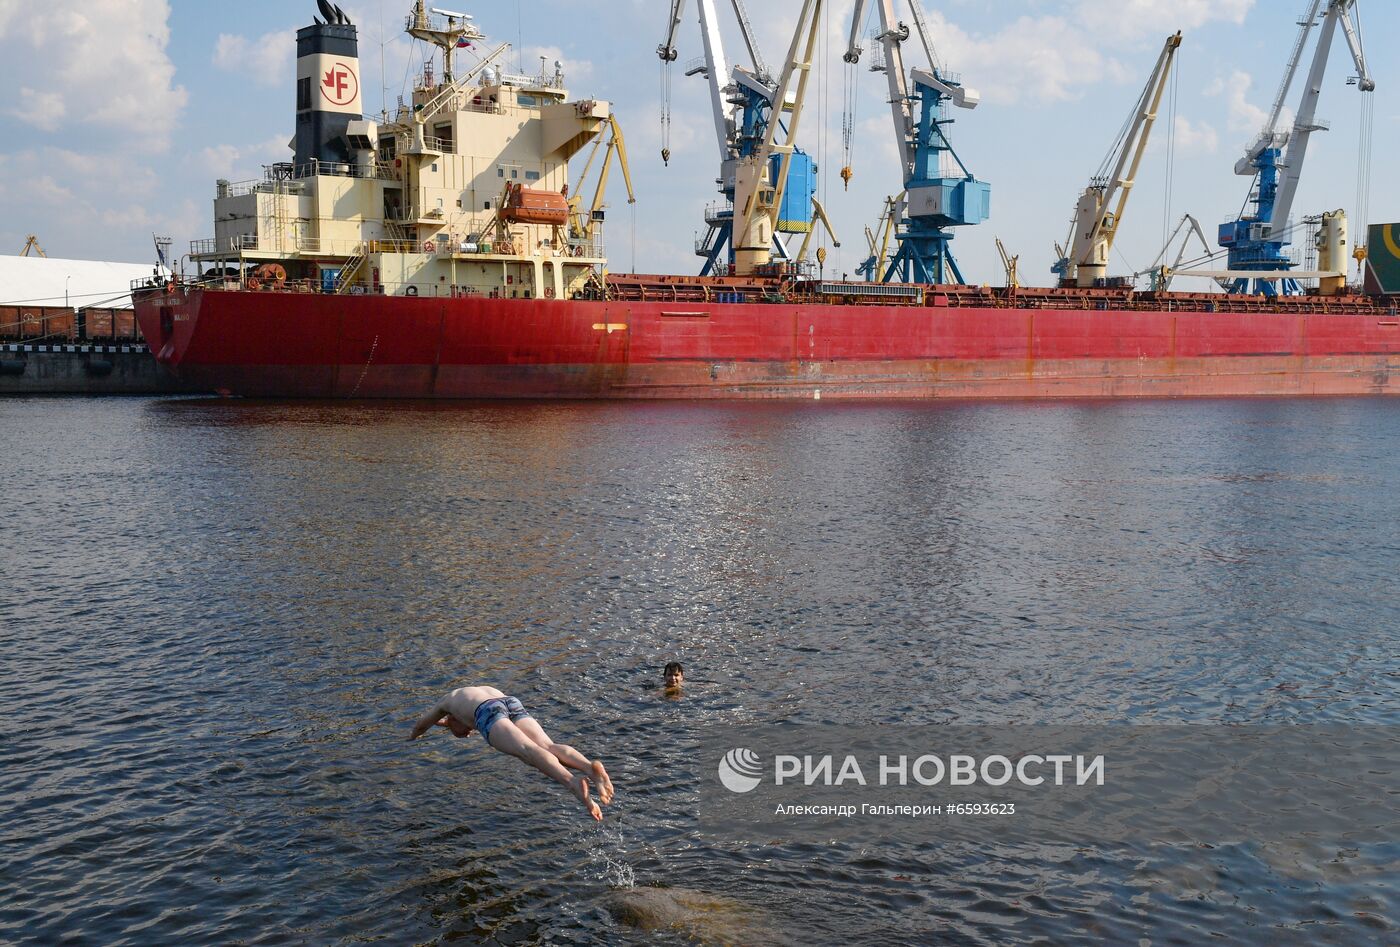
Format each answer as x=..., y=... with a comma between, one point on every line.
x=220, y=618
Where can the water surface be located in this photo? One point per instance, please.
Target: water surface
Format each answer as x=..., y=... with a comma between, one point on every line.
x=220, y=618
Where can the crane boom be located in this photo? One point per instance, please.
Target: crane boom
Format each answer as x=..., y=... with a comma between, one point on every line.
x=1267, y=137
x=718, y=75
x=1306, y=123
x=921, y=26
x=667, y=49
x=760, y=67
x=892, y=36
x=853, y=48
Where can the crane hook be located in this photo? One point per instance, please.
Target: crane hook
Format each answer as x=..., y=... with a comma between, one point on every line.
x=666, y=156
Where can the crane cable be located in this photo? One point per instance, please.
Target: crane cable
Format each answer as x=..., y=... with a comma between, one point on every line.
x=1169, y=194
x=851, y=94
x=825, y=120
x=666, y=112
x=1364, y=159
x=848, y=120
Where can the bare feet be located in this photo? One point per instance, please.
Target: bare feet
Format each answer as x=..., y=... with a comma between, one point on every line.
x=605, y=786
x=579, y=786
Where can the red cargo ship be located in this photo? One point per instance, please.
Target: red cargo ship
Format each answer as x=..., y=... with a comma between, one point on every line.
x=440, y=255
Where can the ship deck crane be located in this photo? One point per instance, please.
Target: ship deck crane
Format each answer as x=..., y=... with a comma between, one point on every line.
x=1083, y=260
x=1011, y=264
x=582, y=224
x=741, y=102
x=879, y=240
x=1256, y=241
x=1160, y=273
x=936, y=201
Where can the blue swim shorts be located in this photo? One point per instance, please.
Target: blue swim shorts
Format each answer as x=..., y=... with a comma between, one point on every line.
x=489, y=711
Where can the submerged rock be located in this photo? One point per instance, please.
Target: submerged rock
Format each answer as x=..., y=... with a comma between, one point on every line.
x=708, y=918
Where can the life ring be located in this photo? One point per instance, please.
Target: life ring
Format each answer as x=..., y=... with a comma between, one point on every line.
x=429, y=246
x=170, y=288
x=578, y=250
x=549, y=292
x=410, y=291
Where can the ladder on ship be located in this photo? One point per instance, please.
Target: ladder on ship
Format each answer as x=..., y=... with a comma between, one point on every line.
x=351, y=269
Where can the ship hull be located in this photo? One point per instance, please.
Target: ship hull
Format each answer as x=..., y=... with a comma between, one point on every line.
x=284, y=345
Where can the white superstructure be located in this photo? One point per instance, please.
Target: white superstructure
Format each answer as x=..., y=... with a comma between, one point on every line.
x=462, y=191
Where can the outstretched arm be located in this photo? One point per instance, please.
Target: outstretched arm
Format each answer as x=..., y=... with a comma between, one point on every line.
x=426, y=722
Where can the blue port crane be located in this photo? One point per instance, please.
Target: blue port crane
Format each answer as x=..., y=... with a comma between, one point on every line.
x=1256, y=242
x=940, y=192
x=741, y=102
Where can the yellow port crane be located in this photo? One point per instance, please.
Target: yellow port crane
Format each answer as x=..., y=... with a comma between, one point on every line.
x=757, y=195
x=32, y=244
x=582, y=223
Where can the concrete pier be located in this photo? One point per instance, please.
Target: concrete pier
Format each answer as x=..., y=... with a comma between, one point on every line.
x=78, y=369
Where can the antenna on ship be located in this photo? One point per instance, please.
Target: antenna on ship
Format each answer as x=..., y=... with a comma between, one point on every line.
x=457, y=33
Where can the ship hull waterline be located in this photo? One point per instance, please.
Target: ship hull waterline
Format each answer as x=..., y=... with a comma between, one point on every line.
x=273, y=345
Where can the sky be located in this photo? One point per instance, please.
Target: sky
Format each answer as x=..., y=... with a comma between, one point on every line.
x=119, y=115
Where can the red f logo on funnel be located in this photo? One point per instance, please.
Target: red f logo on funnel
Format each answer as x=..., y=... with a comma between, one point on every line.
x=340, y=87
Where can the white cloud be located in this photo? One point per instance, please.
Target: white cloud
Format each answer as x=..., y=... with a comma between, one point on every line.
x=575, y=70
x=101, y=63
x=43, y=110
x=267, y=60
x=1195, y=139
x=103, y=205
x=1135, y=19
x=1040, y=58
x=1244, y=116
x=243, y=162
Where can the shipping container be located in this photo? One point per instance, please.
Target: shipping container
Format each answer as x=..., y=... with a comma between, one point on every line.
x=31, y=322
x=99, y=325
x=9, y=322
x=124, y=325
x=60, y=324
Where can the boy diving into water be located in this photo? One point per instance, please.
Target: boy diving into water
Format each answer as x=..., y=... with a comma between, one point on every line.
x=506, y=726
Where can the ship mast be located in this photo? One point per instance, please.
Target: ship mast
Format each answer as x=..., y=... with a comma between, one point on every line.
x=458, y=28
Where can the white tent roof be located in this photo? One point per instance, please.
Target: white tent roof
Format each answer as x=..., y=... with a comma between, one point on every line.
x=36, y=281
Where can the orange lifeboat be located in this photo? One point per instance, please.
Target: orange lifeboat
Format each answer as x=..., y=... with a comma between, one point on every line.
x=525, y=205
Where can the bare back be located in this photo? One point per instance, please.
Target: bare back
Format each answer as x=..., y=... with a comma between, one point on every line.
x=462, y=702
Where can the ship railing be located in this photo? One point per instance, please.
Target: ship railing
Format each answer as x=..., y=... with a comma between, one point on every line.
x=318, y=246
x=585, y=248
x=286, y=177
x=542, y=81
x=226, y=245
x=240, y=188
x=718, y=212
x=393, y=246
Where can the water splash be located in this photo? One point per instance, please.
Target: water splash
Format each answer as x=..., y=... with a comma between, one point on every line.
x=610, y=860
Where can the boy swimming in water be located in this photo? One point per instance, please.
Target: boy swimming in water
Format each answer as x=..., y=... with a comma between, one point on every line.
x=674, y=676
x=506, y=726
